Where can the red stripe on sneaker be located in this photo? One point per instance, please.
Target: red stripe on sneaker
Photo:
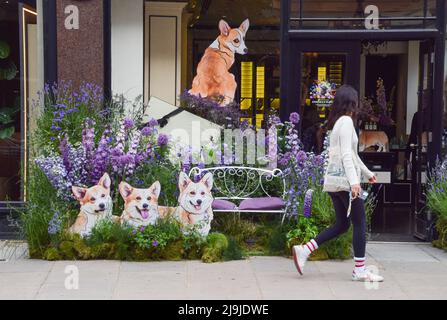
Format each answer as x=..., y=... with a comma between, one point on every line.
x=310, y=249
x=312, y=245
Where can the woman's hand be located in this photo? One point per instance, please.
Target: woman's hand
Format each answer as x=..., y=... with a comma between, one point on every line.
x=355, y=190
x=373, y=180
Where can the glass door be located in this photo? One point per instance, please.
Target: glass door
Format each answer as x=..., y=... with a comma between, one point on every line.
x=324, y=67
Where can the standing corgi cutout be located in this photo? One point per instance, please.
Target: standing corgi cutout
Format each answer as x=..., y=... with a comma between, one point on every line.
x=96, y=205
x=213, y=78
x=373, y=139
x=195, y=200
x=140, y=205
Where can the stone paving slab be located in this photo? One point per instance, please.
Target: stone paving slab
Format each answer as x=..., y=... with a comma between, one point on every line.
x=411, y=271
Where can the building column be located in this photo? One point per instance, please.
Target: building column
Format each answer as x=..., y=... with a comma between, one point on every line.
x=163, y=50
x=81, y=41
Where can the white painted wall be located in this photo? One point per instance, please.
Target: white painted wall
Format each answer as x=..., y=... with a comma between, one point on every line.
x=127, y=47
x=163, y=60
x=412, y=82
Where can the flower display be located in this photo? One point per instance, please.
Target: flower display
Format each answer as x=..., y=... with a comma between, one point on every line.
x=80, y=160
x=378, y=108
x=322, y=90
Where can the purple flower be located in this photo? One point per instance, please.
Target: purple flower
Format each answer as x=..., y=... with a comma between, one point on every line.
x=275, y=120
x=72, y=110
x=294, y=118
x=162, y=140
x=147, y=131
x=128, y=123
x=301, y=156
x=153, y=122
x=55, y=128
x=155, y=243
x=54, y=226
x=64, y=148
x=101, y=158
x=142, y=229
x=307, y=209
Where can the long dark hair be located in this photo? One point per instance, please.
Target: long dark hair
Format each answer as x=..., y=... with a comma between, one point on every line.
x=346, y=101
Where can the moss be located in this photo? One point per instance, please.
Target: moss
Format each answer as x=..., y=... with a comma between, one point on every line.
x=194, y=253
x=51, y=254
x=101, y=251
x=441, y=228
x=36, y=253
x=319, y=255
x=66, y=250
x=214, y=248
x=83, y=251
x=139, y=254
x=173, y=251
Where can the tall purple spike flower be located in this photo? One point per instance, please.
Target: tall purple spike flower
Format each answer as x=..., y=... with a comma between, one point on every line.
x=307, y=205
x=132, y=153
x=101, y=158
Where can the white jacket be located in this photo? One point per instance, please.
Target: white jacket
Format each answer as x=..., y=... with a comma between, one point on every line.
x=343, y=142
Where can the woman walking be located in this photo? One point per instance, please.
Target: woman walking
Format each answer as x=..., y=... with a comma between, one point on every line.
x=342, y=182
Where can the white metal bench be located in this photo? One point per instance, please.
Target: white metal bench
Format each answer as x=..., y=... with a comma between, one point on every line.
x=251, y=185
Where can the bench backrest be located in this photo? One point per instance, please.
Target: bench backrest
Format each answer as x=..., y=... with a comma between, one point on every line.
x=238, y=183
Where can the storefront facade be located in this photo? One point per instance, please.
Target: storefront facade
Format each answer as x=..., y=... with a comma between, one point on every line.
x=152, y=48
x=412, y=45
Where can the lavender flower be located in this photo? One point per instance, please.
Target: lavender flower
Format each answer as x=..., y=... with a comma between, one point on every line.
x=307, y=209
x=128, y=123
x=54, y=226
x=147, y=131
x=294, y=118
x=132, y=153
x=101, y=158
x=153, y=122
x=54, y=169
x=162, y=140
x=155, y=243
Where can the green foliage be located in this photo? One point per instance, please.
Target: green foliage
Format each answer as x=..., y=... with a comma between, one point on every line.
x=167, y=174
x=277, y=239
x=5, y=50
x=437, y=201
x=215, y=247
x=305, y=230
x=234, y=251
x=39, y=210
x=233, y=226
x=7, y=122
x=157, y=236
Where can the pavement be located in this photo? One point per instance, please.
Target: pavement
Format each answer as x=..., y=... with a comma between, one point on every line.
x=411, y=271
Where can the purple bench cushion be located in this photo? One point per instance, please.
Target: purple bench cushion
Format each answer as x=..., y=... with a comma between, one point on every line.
x=267, y=203
x=220, y=204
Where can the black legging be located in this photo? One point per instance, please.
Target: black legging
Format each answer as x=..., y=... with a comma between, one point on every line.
x=358, y=219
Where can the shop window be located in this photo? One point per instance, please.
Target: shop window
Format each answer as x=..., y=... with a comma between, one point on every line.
x=19, y=83
x=322, y=74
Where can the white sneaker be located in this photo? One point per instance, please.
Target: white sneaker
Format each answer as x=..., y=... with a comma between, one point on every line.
x=299, y=257
x=366, y=276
